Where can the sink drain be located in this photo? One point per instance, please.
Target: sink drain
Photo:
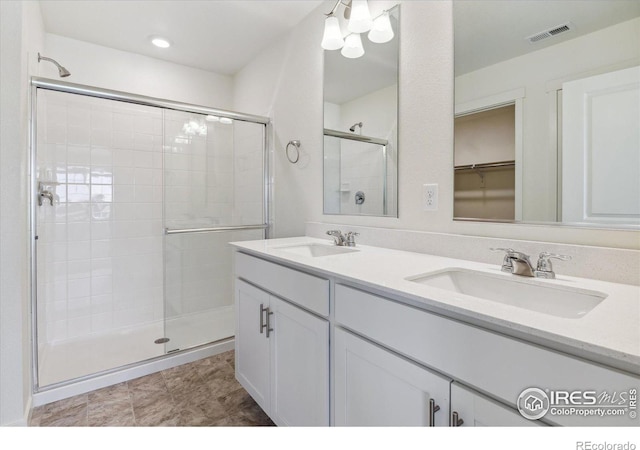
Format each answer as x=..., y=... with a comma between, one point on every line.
x=161, y=341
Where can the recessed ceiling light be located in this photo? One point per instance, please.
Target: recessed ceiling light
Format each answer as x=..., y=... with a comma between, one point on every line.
x=160, y=42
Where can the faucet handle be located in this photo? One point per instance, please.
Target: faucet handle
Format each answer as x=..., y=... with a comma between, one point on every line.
x=350, y=238
x=544, y=267
x=544, y=259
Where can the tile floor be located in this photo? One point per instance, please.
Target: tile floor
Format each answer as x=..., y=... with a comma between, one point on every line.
x=202, y=393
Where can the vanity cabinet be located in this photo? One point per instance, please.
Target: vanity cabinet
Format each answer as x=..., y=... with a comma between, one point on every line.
x=282, y=350
x=490, y=362
x=375, y=387
x=392, y=360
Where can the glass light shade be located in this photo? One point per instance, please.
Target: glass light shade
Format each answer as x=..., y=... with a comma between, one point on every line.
x=332, y=38
x=381, y=30
x=360, y=19
x=352, y=46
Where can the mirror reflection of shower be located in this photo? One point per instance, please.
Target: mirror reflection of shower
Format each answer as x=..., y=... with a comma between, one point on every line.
x=63, y=72
x=356, y=125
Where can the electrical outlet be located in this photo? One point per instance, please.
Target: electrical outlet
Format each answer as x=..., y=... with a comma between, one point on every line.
x=430, y=197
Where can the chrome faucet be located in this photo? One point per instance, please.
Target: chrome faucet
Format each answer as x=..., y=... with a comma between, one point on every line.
x=519, y=263
x=342, y=240
x=46, y=193
x=338, y=237
x=514, y=262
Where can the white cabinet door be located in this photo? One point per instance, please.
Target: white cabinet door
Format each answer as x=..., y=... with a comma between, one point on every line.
x=475, y=410
x=252, y=345
x=299, y=366
x=374, y=387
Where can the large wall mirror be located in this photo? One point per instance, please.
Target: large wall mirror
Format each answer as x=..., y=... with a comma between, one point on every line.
x=361, y=124
x=547, y=112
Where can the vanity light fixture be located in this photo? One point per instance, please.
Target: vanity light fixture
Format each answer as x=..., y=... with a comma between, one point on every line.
x=359, y=21
x=332, y=38
x=381, y=30
x=160, y=42
x=352, y=46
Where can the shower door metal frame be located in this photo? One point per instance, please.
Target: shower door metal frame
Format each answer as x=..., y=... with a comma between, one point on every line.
x=108, y=94
x=383, y=143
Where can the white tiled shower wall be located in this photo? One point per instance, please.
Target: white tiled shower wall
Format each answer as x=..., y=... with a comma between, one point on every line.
x=100, y=247
x=100, y=244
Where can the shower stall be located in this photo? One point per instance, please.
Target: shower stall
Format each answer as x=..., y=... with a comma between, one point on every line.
x=134, y=200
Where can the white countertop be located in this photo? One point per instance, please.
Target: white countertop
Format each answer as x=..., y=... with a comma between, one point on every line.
x=608, y=334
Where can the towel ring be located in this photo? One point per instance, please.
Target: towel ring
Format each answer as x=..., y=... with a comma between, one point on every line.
x=296, y=144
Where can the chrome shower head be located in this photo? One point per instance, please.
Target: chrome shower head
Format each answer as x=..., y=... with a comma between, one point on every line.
x=61, y=70
x=353, y=128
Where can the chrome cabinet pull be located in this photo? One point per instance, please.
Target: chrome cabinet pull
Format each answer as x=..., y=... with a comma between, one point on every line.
x=433, y=409
x=455, y=420
x=262, y=324
x=268, y=324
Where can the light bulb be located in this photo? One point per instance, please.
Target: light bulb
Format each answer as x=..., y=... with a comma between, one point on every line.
x=159, y=41
x=352, y=46
x=360, y=19
x=332, y=38
x=381, y=31
x=211, y=118
x=226, y=120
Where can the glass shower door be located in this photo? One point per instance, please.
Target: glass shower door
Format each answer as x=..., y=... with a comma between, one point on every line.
x=98, y=222
x=214, y=194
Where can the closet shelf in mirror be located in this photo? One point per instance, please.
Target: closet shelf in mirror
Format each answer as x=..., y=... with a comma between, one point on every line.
x=490, y=165
x=355, y=137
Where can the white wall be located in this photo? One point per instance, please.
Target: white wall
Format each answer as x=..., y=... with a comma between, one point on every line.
x=99, y=66
x=611, y=48
x=21, y=35
x=285, y=83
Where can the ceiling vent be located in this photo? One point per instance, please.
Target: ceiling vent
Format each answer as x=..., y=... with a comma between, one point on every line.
x=559, y=29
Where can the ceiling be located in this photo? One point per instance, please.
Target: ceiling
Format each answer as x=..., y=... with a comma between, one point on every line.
x=214, y=35
x=490, y=31
x=346, y=79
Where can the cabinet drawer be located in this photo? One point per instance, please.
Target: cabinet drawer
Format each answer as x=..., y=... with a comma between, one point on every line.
x=491, y=362
x=306, y=290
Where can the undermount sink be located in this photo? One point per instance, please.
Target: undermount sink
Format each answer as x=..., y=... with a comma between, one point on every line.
x=316, y=250
x=525, y=293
